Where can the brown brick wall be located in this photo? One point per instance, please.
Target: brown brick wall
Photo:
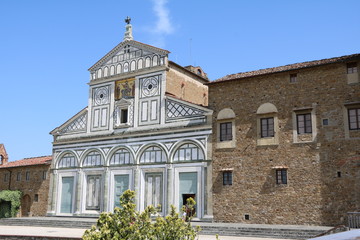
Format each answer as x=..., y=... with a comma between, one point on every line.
x=314, y=193
x=35, y=185
x=186, y=88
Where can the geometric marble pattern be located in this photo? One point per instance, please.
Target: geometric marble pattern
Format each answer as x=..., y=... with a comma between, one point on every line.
x=177, y=110
x=77, y=125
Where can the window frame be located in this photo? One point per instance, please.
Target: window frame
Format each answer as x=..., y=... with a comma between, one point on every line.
x=27, y=176
x=268, y=130
x=293, y=78
x=351, y=68
x=307, y=123
x=281, y=176
x=99, y=192
x=357, y=118
x=227, y=178
x=18, y=176
x=228, y=135
x=6, y=177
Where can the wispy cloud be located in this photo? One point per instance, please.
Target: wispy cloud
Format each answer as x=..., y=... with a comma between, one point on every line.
x=163, y=24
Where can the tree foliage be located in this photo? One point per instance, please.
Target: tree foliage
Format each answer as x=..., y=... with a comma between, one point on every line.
x=127, y=223
x=14, y=200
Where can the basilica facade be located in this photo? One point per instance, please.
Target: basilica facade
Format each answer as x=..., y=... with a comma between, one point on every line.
x=146, y=128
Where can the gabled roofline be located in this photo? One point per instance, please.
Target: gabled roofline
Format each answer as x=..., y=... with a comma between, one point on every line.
x=194, y=105
x=128, y=42
x=286, y=68
x=171, y=63
x=68, y=121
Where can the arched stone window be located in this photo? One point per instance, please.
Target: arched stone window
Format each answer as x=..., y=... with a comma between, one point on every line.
x=67, y=161
x=99, y=73
x=126, y=67
x=106, y=71
x=112, y=70
x=155, y=60
x=267, y=125
x=93, y=158
x=122, y=156
x=226, y=129
x=153, y=155
x=118, y=69
x=147, y=62
x=133, y=65
x=188, y=152
x=140, y=63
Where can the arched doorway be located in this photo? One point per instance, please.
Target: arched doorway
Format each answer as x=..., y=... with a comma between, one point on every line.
x=25, y=205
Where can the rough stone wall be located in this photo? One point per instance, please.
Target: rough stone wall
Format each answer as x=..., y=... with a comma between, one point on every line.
x=186, y=88
x=316, y=193
x=35, y=185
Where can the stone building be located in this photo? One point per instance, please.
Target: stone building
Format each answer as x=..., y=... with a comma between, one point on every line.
x=286, y=143
x=30, y=176
x=146, y=128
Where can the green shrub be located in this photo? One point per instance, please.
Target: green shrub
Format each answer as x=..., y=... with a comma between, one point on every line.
x=12, y=197
x=127, y=223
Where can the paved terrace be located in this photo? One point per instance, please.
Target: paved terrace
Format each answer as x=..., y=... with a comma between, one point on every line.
x=73, y=228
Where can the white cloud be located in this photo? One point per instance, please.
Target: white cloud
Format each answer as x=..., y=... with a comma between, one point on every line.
x=163, y=24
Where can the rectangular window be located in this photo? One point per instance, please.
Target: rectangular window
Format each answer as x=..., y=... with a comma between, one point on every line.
x=281, y=176
x=293, y=78
x=44, y=175
x=27, y=176
x=93, y=192
x=36, y=197
x=227, y=178
x=18, y=176
x=267, y=127
x=226, y=131
x=352, y=68
x=154, y=189
x=303, y=122
x=354, y=118
x=124, y=116
x=6, y=177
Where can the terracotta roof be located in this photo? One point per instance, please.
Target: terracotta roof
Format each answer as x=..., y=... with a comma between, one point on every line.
x=28, y=162
x=289, y=67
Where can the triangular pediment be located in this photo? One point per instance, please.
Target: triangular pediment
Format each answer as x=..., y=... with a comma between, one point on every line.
x=179, y=109
x=128, y=56
x=76, y=124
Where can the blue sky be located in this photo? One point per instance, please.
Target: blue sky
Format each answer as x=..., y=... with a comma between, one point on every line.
x=47, y=46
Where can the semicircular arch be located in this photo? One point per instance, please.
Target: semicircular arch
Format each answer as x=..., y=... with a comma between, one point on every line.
x=187, y=150
x=152, y=153
x=92, y=157
x=125, y=156
x=67, y=156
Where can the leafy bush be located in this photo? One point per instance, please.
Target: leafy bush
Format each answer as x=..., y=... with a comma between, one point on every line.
x=14, y=197
x=127, y=223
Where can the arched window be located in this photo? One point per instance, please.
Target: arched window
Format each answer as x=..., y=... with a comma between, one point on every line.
x=132, y=65
x=67, y=161
x=121, y=156
x=140, y=63
x=267, y=124
x=155, y=60
x=126, y=67
x=106, y=71
x=118, y=69
x=94, y=158
x=112, y=70
x=99, y=73
x=153, y=155
x=188, y=152
x=147, y=62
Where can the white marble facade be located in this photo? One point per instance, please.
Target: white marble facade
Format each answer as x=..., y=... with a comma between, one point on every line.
x=132, y=135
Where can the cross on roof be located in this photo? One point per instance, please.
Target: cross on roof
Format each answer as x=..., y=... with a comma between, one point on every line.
x=128, y=20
